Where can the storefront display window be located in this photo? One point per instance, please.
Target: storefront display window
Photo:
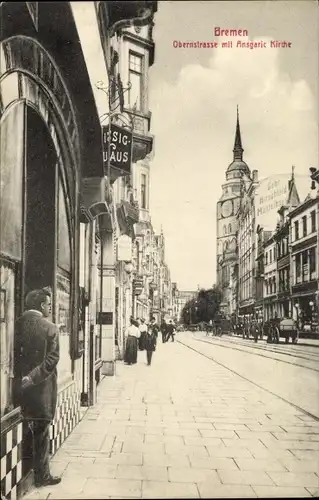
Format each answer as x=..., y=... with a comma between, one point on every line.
x=12, y=162
x=7, y=306
x=63, y=288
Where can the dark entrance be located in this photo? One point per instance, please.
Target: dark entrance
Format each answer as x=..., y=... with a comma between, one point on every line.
x=40, y=223
x=40, y=204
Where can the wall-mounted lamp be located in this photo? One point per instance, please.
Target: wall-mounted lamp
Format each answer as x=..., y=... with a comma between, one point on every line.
x=128, y=268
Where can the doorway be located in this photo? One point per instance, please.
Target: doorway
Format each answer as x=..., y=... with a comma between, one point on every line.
x=40, y=224
x=40, y=189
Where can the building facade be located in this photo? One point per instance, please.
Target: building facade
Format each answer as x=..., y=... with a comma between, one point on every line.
x=228, y=206
x=59, y=215
x=304, y=262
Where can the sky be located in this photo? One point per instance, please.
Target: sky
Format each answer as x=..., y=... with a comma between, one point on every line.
x=193, y=98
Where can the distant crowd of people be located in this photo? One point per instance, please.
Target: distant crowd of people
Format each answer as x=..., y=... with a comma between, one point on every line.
x=141, y=336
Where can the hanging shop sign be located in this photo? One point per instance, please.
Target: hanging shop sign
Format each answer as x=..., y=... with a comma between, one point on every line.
x=138, y=286
x=104, y=318
x=121, y=141
x=124, y=248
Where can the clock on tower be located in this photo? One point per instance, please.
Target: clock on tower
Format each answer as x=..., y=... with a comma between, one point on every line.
x=227, y=208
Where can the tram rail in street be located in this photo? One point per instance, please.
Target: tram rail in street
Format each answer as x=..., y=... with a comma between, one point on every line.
x=250, y=349
x=303, y=410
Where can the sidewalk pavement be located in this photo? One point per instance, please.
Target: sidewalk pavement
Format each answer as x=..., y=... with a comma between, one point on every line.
x=185, y=427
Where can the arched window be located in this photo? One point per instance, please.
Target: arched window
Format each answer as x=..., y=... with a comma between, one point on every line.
x=225, y=246
x=225, y=230
x=229, y=228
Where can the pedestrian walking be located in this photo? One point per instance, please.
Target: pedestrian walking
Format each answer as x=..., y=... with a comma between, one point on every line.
x=150, y=343
x=132, y=335
x=164, y=330
x=154, y=327
x=170, y=331
x=37, y=355
x=143, y=333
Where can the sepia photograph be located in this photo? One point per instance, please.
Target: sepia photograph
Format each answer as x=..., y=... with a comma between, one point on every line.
x=159, y=185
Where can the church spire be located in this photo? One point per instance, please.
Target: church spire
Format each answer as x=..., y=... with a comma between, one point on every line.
x=238, y=149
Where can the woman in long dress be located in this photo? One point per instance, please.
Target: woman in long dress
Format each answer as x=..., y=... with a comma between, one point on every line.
x=132, y=334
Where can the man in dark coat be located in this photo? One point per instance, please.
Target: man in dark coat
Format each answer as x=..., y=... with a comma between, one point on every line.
x=164, y=330
x=38, y=355
x=170, y=331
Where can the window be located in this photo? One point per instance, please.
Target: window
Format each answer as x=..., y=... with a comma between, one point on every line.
x=136, y=80
x=296, y=230
x=225, y=230
x=313, y=221
x=305, y=266
x=63, y=283
x=266, y=258
x=270, y=256
x=304, y=225
x=143, y=191
x=298, y=268
x=229, y=228
x=312, y=263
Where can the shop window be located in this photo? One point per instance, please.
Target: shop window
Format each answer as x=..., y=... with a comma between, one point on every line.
x=313, y=221
x=63, y=284
x=99, y=278
x=305, y=266
x=7, y=319
x=312, y=262
x=11, y=161
x=298, y=268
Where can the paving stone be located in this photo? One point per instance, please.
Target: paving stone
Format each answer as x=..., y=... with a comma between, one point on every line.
x=218, y=433
x=144, y=472
x=181, y=432
x=123, y=488
x=86, y=442
x=228, y=452
x=301, y=465
x=203, y=441
x=199, y=451
x=289, y=436
x=68, y=485
x=186, y=475
x=211, y=490
x=257, y=464
x=213, y=463
x=157, y=489
x=295, y=479
x=170, y=439
x=313, y=491
x=135, y=447
x=97, y=469
x=254, y=434
x=230, y=426
x=245, y=477
x=305, y=454
x=122, y=458
x=166, y=460
x=280, y=491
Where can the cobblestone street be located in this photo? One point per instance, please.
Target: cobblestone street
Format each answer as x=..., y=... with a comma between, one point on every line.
x=186, y=428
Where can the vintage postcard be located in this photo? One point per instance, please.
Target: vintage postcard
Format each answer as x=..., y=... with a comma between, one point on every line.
x=159, y=185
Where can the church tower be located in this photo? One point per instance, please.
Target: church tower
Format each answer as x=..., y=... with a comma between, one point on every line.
x=227, y=209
